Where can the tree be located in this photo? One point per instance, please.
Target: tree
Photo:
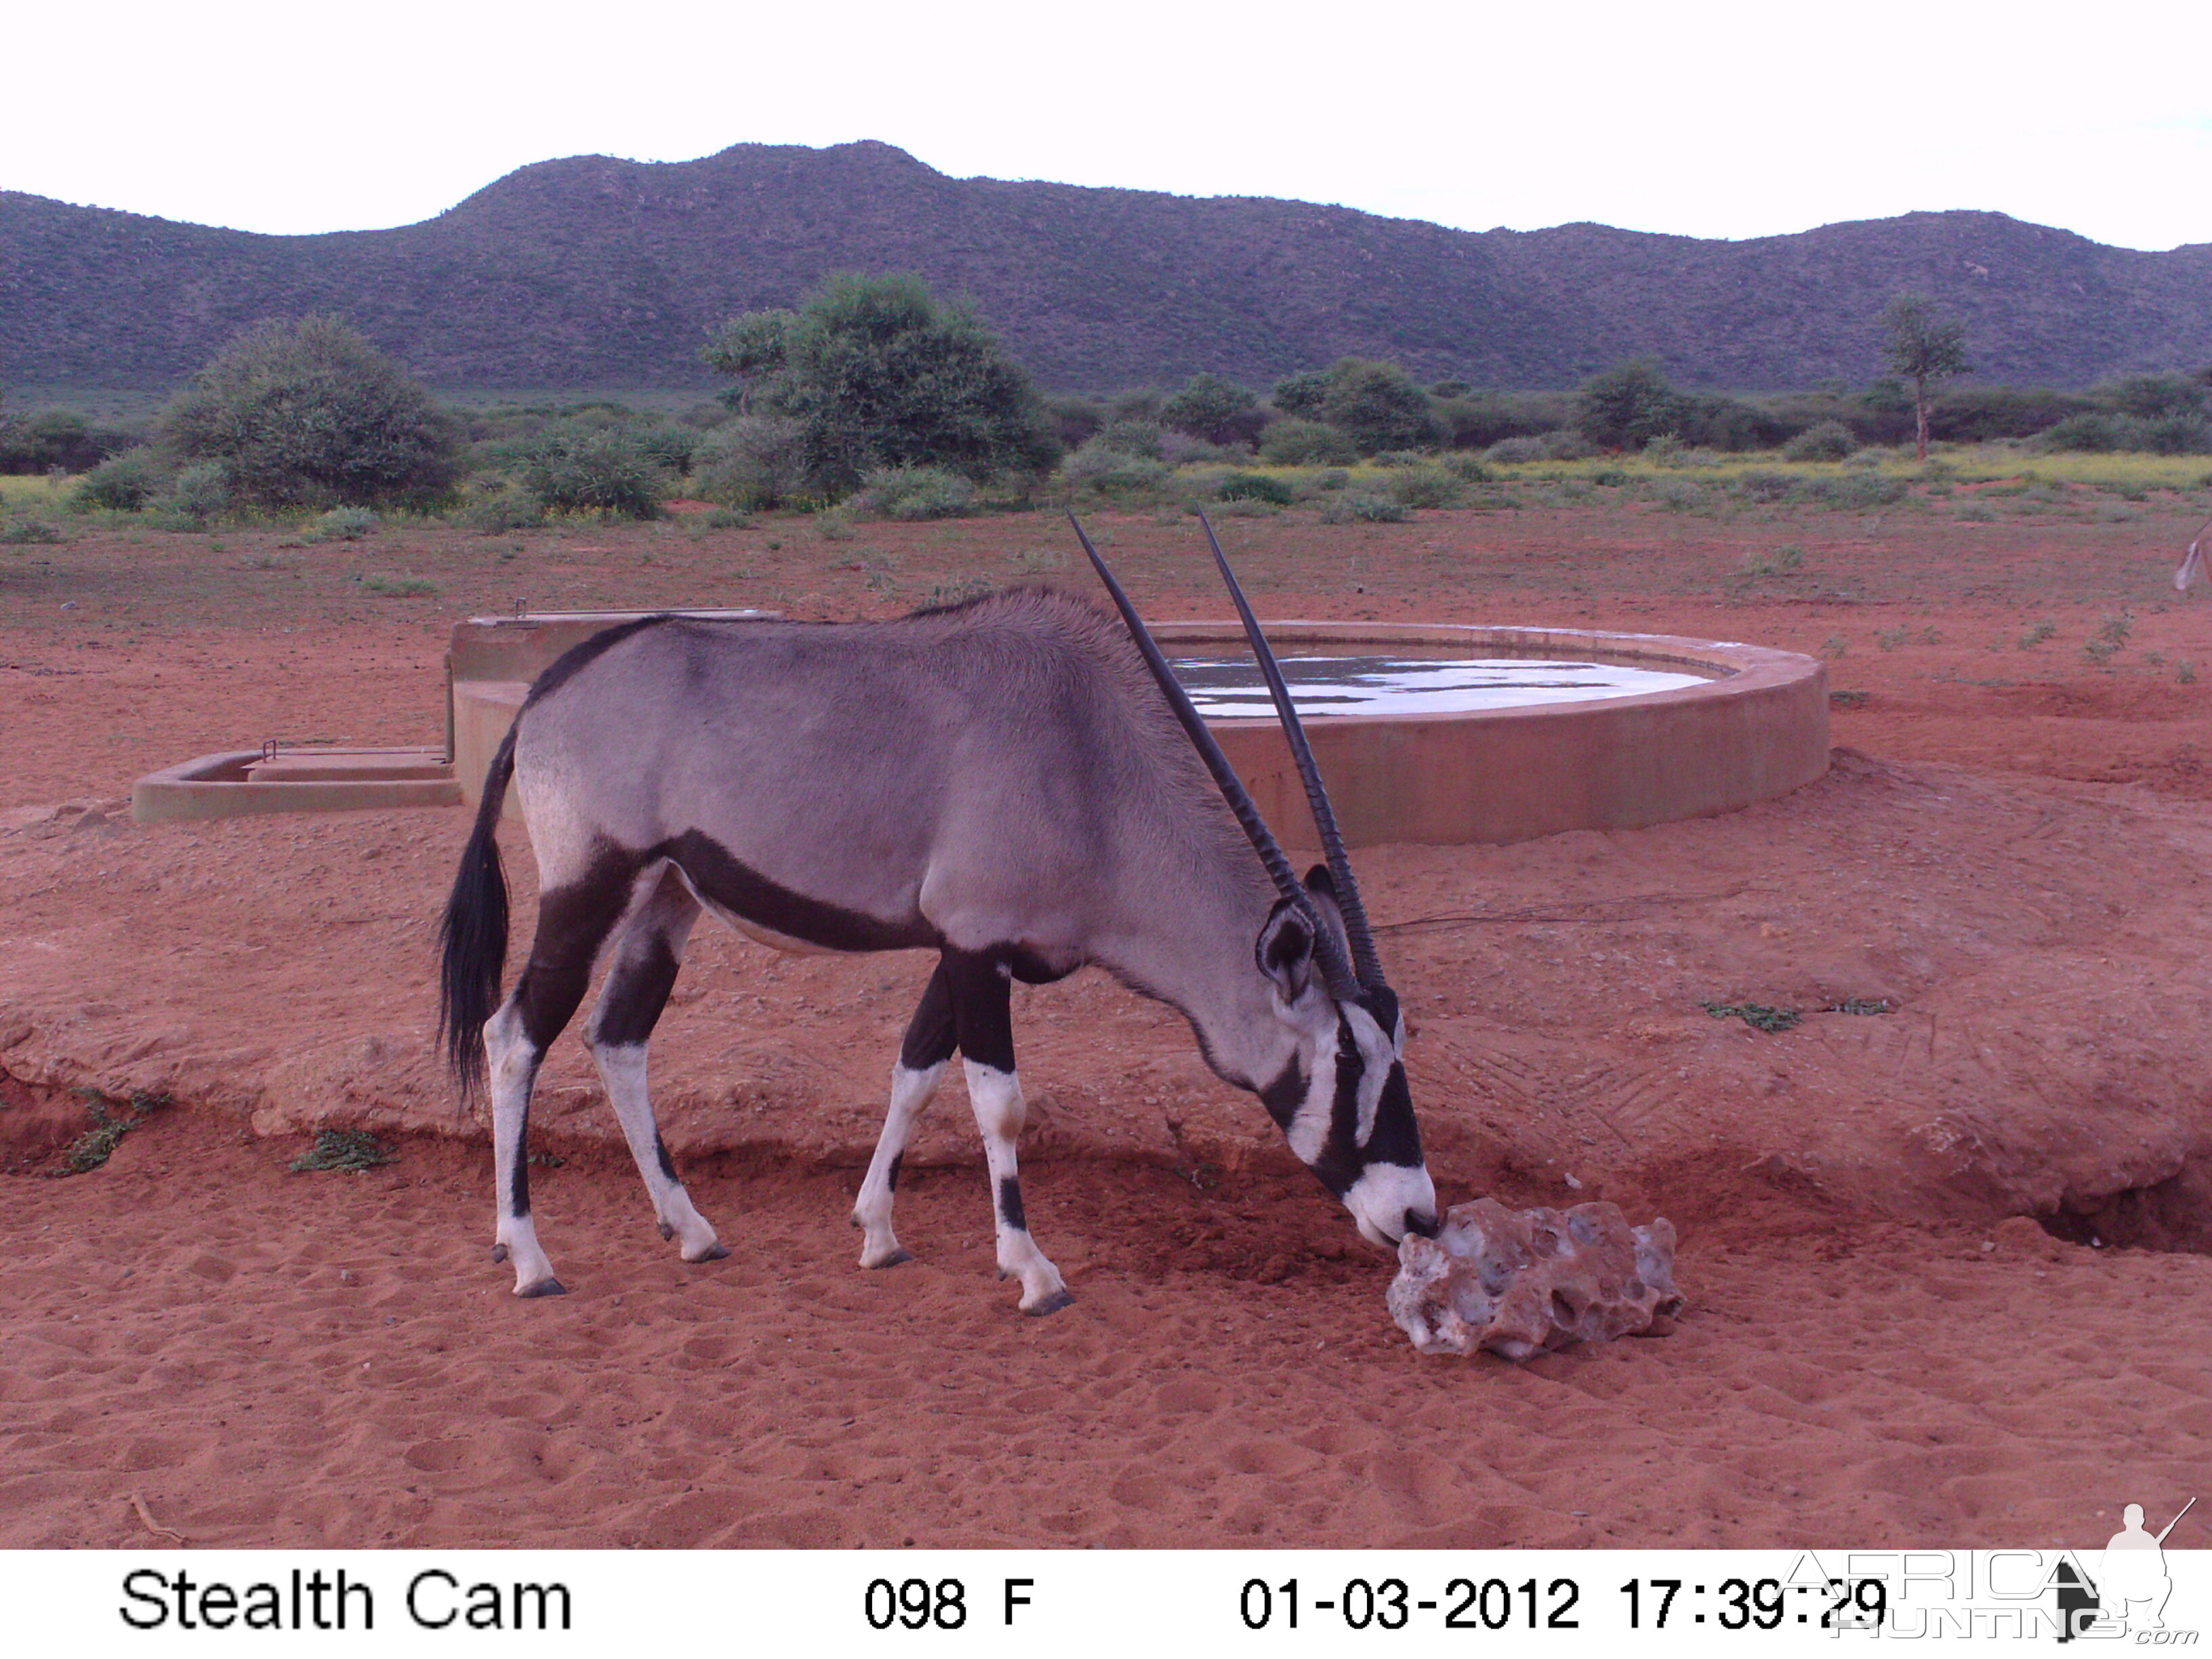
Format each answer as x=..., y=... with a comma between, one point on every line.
x=1628, y=405
x=877, y=372
x=1213, y=409
x=307, y=413
x=1924, y=348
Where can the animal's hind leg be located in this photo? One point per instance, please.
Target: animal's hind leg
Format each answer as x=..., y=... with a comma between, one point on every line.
x=930, y=1039
x=573, y=922
x=639, y=979
x=983, y=1009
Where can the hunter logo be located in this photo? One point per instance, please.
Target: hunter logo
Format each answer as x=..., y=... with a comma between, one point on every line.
x=2128, y=1594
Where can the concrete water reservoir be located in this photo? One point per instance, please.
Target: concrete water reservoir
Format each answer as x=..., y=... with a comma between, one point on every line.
x=1730, y=724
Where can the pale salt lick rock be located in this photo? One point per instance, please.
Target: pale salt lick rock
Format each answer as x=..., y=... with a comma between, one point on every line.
x=1517, y=1282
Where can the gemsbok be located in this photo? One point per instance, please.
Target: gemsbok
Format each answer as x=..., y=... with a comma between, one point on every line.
x=1001, y=781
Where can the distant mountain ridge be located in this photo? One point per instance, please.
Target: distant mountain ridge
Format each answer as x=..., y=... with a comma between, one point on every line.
x=594, y=272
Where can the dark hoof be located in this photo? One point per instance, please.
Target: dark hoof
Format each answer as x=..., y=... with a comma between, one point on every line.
x=543, y=1287
x=1051, y=1305
x=899, y=1260
x=714, y=1253
x=499, y=1252
x=667, y=1232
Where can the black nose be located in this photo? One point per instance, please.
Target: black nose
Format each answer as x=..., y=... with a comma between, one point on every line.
x=1421, y=1222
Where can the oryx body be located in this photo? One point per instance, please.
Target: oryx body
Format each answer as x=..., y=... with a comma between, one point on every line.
x=1000, y=782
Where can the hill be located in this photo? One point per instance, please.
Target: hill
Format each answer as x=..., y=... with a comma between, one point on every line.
x=594, y=272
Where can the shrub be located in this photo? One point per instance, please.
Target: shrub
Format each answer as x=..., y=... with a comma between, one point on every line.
x=1766, y=486
x=56, y=441
x=122, y=483
x=199, y=493
x=1099, y=468
x=1357, y=508
x=755, y=461
x=1830, y=440
x=912, y=493
x=308, y=413
x=1515, y=451
x=1378, y=407
x=574, y=467
x=1302, y=394
x=1423, y=486
x=877, y=372
x=1628, y=405
x=344, y=523
x=671, y=445
x=492, y=505
x=1466, y=469
x=20, y=533
x=1256, y=486
x=1140, y=438
x=1298, y=442
x=1213, y=409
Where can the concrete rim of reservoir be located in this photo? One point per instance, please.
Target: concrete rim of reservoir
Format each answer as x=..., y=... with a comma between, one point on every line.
x=1754, y=727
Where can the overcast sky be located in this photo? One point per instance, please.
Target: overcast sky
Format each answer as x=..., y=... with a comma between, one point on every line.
x=1707, y=118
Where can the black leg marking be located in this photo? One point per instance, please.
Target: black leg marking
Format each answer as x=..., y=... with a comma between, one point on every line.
x=1010, y=1204
x=517, y=1193
x=572, y=923
x=982, y=1008
x=931, y=1035
x=661, y=1150
x=892, y=1174
x=636, y=994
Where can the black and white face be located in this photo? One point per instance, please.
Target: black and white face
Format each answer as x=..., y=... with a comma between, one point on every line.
x=1343, y=1104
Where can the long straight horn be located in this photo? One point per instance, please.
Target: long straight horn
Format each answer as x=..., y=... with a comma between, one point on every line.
x=1365, y=962
x=1336, y=973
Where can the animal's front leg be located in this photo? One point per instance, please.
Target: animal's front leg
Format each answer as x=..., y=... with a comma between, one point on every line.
x=997, y=1098
x=930, y=1039
x=982, y=1008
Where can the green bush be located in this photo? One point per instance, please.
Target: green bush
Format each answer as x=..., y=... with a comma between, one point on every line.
x=1100, y=469
x=1358, y=507
x=20, y=533
x=491, y=505
x=1564, y=445
x=880, y=373
x=199, y=493
x=1628, y=405
x=344, y=524
x=670, y=445
x=56, y=441
x=574, y=467
x=1256, y=486
x=1140, y=438
x=307, y=413
x=121, y=483
x=2106, y=432
x=755, y=461
x=1298, y=442
x=1423, y=486
x=1830, y=440
x=913, y=493
x=1213, y=409
x=1302, y=394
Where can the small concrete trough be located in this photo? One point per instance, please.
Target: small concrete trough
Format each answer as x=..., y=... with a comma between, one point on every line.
x=239, y=783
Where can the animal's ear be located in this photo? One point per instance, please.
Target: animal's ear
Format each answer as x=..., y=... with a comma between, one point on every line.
x=1285, y=948
x=1322, y=886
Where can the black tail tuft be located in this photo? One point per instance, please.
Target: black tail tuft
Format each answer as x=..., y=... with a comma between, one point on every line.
x=473, y=941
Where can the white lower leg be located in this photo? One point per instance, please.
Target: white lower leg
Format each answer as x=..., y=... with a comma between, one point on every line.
x=621, y=1069
x=871, y=1210
x=514, y=1067
x=996, y=1096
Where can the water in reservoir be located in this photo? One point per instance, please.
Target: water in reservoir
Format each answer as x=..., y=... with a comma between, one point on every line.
x=1230, y=687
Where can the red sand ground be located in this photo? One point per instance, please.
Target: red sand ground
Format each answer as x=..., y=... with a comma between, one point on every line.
x=2009, y=848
